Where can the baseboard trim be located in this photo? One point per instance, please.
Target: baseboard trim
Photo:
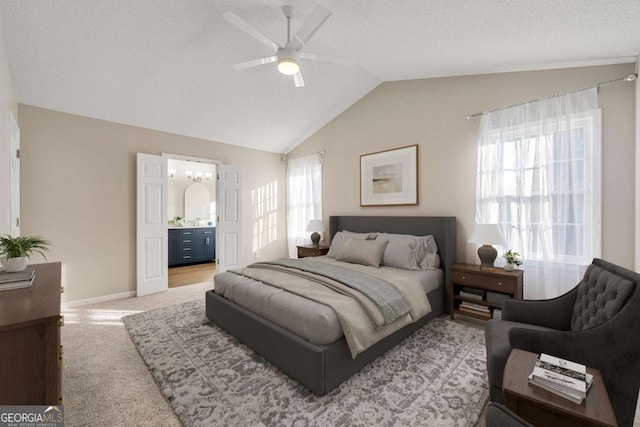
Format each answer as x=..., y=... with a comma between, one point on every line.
x=105, y=298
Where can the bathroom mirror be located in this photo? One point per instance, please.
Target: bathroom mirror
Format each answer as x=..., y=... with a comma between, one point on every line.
x=197, y=200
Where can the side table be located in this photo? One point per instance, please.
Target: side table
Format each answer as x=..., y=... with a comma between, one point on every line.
x=543, y=408
x=470, y=276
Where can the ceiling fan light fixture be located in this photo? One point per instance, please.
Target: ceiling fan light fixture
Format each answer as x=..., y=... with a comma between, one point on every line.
x=288, y=66
x=288, y=61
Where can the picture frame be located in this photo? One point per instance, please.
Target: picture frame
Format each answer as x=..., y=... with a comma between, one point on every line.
x=390, y=177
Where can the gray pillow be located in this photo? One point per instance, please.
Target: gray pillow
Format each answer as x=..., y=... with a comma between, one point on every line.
x=341, y=237
x=365, y=252
x=410, y=252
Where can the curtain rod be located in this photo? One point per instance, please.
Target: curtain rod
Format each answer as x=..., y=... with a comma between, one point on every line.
x=284, y=158
x=631, y=77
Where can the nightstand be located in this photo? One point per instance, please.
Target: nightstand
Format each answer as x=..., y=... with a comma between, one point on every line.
x=485, y=289
x=312, y=250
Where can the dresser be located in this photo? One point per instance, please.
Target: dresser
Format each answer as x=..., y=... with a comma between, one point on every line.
x=191, y=245
x=30, y=350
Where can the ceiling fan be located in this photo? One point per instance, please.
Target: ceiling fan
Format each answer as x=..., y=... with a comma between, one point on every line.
x=288, y=56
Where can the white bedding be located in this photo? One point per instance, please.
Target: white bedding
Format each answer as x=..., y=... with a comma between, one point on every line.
x=308, y=319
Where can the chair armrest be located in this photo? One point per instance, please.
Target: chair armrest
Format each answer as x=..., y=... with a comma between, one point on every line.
x=551, y=313
x=497, y=415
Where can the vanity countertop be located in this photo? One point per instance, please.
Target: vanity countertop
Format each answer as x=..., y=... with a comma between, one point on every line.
x=181, y=227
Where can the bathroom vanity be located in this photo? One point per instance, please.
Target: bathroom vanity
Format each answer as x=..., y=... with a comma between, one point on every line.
x=190, y=245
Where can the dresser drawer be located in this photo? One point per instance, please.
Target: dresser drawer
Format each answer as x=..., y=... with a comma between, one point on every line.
x=485, y=281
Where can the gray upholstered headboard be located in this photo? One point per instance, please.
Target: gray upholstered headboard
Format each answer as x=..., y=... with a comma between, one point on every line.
x=442, y=228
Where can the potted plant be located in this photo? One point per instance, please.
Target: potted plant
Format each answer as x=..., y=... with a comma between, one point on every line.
x=513, y=259
x=15, y=252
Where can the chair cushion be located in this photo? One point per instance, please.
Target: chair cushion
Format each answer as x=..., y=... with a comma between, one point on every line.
x=601, y=295
x=498, y=347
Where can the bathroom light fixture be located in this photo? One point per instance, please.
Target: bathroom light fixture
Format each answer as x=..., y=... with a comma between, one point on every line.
x=208, y=175
x=172, y=173
x=189, y=174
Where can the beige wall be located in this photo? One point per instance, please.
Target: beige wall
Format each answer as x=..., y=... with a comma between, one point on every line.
x=7, y=103
x=430, y=112
x=78, y=190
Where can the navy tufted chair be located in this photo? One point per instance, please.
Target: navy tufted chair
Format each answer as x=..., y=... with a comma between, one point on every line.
x=597, y=323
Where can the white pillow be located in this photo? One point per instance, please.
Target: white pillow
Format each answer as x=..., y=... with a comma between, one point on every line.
x=365, y=252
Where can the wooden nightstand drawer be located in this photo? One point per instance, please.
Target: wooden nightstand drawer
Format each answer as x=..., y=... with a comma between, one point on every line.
x=305, y=251
x=492, y=283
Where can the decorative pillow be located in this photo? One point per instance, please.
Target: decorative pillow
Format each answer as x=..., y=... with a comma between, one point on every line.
x=341, y=237
x=365, y=252
x=410, y=252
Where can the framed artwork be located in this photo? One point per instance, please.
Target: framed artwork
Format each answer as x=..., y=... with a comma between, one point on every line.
x=389, y=178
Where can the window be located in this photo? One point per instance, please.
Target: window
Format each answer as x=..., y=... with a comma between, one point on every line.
x=539, y=178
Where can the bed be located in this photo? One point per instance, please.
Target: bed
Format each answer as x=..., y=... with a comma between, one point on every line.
x=322, y=367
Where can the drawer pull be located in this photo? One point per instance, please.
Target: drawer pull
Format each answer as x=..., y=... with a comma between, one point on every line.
x=464, y=278
x=186, y=257
x=499, y=283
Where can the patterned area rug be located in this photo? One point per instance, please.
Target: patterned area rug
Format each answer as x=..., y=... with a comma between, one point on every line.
x=436, y=377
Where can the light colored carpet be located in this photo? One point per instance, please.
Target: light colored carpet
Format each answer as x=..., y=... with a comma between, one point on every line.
x=104, y=380
x=436, y=377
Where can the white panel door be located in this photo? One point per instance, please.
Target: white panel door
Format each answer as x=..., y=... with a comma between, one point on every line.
x=151, y=235
x=14, y=178
x=228, y=221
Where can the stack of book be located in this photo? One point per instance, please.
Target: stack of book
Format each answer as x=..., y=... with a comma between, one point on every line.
x=20, y=279
x=497, y=313
x=476, y=309
x=562, y=377
x=472, y=293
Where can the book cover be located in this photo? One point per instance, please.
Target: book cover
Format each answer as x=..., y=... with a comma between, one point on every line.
x=484, y=314
x=18, y=276
x=576, y=398
x=16, y=285
x=471, y=296
x=562, y=382
x=563, y=366
x=475, y=306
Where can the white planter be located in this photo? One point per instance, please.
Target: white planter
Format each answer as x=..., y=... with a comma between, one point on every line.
x=508, y=267
x=13, y=265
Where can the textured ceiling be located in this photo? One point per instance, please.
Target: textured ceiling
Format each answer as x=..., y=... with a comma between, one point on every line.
x=166, y=64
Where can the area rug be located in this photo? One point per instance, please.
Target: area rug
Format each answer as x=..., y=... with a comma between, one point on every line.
x=436, y=377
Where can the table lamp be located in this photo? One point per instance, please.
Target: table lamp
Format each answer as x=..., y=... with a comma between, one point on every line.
x=487, y=235
x=316, y=226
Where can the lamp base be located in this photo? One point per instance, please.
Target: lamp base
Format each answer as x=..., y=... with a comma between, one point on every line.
x=487, y=255
x=315, y=238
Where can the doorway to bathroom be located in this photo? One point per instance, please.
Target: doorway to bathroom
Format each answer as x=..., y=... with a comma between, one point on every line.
x=191, y=210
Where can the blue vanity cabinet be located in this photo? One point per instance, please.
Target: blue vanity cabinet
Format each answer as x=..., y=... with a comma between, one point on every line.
x=191, y=245
x=187, y=246
x=206, y=244
x=174, y=237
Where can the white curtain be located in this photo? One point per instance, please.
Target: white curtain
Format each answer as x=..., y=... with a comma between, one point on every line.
x=304, y=199
x=539, y=178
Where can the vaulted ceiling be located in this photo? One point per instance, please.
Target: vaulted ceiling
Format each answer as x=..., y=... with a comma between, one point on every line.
x=167, y=64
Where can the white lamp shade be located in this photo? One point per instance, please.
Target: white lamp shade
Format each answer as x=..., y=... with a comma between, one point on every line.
x=487, y=234
x=315, y=225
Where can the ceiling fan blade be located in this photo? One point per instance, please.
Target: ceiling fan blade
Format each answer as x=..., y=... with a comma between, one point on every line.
x=298, y=80
x=255, y=62
x=319, y=15
x=234, y=19
x=327, y=58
